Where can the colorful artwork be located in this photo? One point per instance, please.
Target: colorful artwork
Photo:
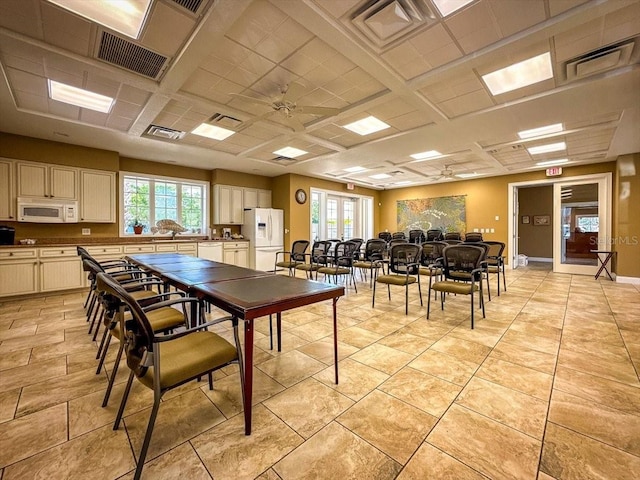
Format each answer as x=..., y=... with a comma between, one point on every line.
x=445, y=213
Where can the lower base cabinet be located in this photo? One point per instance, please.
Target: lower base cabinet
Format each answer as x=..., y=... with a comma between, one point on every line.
x=18, y=277
x=236, y=253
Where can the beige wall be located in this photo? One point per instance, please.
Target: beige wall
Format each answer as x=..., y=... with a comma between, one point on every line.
x=626, y=230
x=535, y=240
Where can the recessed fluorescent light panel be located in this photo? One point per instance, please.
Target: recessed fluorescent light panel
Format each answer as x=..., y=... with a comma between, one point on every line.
x=380, y=176
x=355, y=169
x=212, y=131
x=79, y=97
x=290, y=152
x=124, y=16
x=551, y=147
x=447, y=7
x=536, y=132
x=550, y=163
x=426, y=155
x=366, y=126
x=519, y=75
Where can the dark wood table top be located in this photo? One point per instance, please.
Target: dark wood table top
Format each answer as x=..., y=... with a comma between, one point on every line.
x=159, y=258
x=258, y=296
x=185, y=279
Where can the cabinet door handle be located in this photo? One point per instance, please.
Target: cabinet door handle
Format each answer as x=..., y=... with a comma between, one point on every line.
x=11, y=254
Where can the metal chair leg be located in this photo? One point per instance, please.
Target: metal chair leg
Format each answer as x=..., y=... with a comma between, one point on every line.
x=112, y=378
x=147, y=436
x=123, y=402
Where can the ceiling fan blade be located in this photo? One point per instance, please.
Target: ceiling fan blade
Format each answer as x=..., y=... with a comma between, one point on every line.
x=253, y=120
x=322, y=111
x=255, y=101
x=293, y=91
x=294, y=123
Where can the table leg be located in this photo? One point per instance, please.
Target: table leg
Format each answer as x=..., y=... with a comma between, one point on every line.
x=248, y=374
x=279, y=330
x=603, y=265
x=335, y=337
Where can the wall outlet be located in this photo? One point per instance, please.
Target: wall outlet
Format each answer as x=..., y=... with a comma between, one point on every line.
x=476, y=230
x=86, y=231
x=482, y=230
x=493, y=230
x=497, y=217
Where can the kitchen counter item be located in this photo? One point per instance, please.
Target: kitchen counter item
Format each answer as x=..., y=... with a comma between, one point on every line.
x=7, y=235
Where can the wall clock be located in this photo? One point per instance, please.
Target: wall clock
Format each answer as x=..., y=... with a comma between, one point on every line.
x=301, y=196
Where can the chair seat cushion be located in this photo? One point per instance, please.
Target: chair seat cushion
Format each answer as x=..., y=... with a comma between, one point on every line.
x=461, y=275
x=492, y=269
x=334, y=270
x=396, y=279
x=367, y=265
x=161, y=319
x=287, y=264
x=428, y=272
x=307, y=267
x=142, y=294
x=190, y=356
x=461, y=288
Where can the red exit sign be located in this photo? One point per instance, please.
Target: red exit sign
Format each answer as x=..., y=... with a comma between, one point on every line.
x=554, y=171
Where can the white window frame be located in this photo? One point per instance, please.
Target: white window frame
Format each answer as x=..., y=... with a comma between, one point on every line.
x=363, y=214
x=153, y=178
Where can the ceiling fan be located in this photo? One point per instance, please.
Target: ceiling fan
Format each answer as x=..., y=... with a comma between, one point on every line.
x=445, y=173
x=287, y=107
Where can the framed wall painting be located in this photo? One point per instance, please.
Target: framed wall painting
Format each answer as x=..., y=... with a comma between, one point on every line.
x=541, y=220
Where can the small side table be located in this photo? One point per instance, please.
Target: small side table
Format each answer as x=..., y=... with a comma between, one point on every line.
x=603, y=263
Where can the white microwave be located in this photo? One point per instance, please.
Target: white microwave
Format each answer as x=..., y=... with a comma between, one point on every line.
x=47, y=210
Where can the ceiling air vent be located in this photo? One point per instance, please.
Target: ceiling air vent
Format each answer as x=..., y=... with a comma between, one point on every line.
x=164, y=133
x=191, y=5
x=128, y=55
x=285, y=161
x=225, y=121
x=601, y=60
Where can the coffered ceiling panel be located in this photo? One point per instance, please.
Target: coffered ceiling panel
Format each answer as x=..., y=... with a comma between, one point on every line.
x=283, y=73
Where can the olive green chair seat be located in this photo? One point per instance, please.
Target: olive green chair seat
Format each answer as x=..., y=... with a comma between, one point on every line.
x=403, y=269
x=292, y=258
x=315, y=259
x=340, y=264
x=458, y=288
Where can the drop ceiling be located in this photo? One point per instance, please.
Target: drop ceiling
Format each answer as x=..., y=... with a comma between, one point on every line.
x=399, y=60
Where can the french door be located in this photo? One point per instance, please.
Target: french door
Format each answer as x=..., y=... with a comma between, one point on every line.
x=341, y=217
x=335, y=216
x=581, y=224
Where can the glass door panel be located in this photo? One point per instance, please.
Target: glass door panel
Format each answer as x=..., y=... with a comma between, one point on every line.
x=580, y=212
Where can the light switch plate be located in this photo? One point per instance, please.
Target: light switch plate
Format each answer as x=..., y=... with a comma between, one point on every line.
x=86, y=231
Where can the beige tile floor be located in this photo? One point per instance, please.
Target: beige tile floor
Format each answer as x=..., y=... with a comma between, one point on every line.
x=545, y=387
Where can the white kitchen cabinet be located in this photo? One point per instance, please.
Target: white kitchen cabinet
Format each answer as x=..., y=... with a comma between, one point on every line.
x=7, y=192
x=236, y=253
x=187, y=249
x=60, y=269
x=97, y=196
x=228, y=208
x=211, y=251
x=18, y=271
x=256, y=198
x=50, y=181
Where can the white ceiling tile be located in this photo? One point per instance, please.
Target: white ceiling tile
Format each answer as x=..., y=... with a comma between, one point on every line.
x=274, y=48
x=93, y=117
x=125, y=110
x=467, y=103
x=133, y=95
x=556, y=7
x=27, y=82
x=623, y=23
x=516, y=15
x=64, y=110
x=337, y=8
x=293, y=33
x=23, y=64
x=167, y=29
x=21, y=16
x=473, y=27
x=65, y=30
x=30, y=101
x=119, y=123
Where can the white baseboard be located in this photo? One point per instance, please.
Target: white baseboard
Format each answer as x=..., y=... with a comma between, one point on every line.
x=541, y=259
x=633, y=280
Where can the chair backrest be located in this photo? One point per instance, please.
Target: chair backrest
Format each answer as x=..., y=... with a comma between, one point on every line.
x=374, y=249
x=473, y=237
x=319, y=248
x=495, y=248
x=343, y=253
x=138, y=330
x=358, y=242
x=298, y=249
x=452, y=236
x=396, y=241
x=403, y=254
x=461, y=259
x=434, y=235
x=452, y=242
x=397, y=235
x=416, y=236
x=386, y=236
x=431, y=252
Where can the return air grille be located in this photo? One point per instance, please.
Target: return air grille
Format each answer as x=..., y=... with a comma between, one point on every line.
x=191, y=5
x=130, y=56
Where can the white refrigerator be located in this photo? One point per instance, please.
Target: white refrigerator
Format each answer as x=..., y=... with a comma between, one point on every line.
x=264, y=228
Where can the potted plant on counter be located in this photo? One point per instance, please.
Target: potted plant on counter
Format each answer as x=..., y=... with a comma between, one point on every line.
x=137, y=226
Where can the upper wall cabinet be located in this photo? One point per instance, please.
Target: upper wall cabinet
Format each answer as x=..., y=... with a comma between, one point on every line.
x=7, y=193
x=42, y=180
x=257, y=198
x=97, y=196
x=228, y=206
